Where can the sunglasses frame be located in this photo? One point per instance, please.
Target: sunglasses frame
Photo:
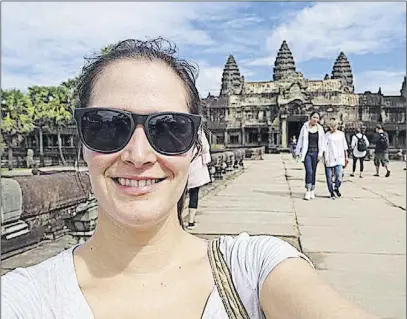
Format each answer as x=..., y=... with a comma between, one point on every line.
x=137, y=119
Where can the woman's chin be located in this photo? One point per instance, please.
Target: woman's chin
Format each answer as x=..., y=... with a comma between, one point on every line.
x=140, y=219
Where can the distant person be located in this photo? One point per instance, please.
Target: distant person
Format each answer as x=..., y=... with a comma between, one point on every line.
x=310, y=147
x=198, y=176
x=359, y=145
x=336, y=158
x=293, y=145
x=381, y=154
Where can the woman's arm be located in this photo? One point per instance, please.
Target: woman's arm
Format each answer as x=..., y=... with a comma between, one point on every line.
x=298, y=148
x=366, y=140
x=294, y=290
x=353, y=142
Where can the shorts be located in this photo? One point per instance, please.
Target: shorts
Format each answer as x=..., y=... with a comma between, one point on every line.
x=381, y=158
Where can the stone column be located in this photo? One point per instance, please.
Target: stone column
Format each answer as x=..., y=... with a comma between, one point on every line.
x=396, y=139
x=259, y=135
x=284, y=143
x=226, y=137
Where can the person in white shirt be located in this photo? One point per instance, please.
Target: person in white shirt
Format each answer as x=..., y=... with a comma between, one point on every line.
x=198, y=177
x=336, y=157
x=309, y=149
x=359, y=145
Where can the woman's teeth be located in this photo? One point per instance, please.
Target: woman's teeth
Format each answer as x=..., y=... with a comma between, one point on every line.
x=135, y=183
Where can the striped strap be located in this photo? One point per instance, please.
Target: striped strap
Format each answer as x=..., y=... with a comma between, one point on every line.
x=224, y=283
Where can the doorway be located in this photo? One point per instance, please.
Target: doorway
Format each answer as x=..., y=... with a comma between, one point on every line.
x=294, y=129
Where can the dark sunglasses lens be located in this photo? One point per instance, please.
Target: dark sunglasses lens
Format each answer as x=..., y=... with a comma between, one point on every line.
x=171, y=133
x=105, y=131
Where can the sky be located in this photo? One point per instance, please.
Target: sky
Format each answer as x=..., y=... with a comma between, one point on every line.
x=45, y=43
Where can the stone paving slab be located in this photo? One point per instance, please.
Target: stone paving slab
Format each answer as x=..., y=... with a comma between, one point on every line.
x=358, y=243
x=234, y=228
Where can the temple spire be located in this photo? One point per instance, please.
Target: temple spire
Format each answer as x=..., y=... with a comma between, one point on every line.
x=231, y=78
x=284, y=65
x=403, y=90
x=342, y=70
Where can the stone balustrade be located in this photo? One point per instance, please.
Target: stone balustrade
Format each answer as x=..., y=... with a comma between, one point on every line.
x=37, y=208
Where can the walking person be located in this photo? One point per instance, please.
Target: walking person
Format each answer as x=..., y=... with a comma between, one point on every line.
x=359, y=145
x=381, y=153
x=198, y=176
x=336, y=158
x=293, y=145
x=310, y=147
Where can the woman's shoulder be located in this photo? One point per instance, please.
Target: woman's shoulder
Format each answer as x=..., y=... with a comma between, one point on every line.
x=254, y=257
x=24, y=289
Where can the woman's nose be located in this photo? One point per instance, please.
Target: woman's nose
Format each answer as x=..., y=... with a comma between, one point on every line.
x=139, y=151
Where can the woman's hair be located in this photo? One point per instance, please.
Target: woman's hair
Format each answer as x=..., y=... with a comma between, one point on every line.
x=313, y=113
x=159, y=50
x=333, y=123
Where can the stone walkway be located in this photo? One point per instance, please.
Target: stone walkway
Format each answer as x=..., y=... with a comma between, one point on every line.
x=357, y=243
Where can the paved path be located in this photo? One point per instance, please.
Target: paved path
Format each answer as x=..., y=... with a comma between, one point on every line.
x=358, y=242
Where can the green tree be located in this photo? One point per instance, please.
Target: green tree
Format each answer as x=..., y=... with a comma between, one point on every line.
x=40, y=97
x=60, y=112
x=17, y=119
x=107, y=48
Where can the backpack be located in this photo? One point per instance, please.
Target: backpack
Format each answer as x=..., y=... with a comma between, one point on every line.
x=361, y=146
x=382, y=143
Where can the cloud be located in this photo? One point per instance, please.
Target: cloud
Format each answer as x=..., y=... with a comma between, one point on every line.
x=48, y=47
x=389, y=81
x=325, y=29
x=210, y=78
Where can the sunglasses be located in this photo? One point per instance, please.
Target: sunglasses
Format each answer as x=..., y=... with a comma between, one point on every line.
x=107, y=130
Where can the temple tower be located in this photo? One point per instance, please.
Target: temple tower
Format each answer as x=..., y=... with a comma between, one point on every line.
x=342, y=70
x=231, y=79
x=284, y=65
x=403, y=90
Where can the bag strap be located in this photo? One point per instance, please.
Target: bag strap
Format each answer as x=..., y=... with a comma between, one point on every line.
x=224, y=283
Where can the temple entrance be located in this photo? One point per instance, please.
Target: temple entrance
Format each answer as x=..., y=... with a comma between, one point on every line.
x=294, y=128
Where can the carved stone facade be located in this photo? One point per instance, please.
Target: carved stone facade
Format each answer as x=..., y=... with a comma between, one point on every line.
x=269, y=113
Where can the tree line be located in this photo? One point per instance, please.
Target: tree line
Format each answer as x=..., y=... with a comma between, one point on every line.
x=38, y=109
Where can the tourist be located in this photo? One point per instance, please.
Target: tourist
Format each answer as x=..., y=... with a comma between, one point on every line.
x=198, y=176
x=381, y=153
x=310, y=149
x=293, y=145
x=336, y=158
x=359, y=145
x=140, y=263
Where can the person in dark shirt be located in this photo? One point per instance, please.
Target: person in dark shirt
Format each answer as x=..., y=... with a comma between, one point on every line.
x=381, y=156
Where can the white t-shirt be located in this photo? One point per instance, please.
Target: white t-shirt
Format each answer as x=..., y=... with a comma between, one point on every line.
x=50, y=290
x=354, y=145
x=335, y=147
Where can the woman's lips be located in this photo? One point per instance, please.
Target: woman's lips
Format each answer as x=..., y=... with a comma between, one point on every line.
x=137, y=187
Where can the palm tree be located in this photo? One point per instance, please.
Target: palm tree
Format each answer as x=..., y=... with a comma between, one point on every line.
x=17, y=119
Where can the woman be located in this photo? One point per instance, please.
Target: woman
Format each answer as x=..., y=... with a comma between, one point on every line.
x=198, y=176
x=359, y=145
x=140, y=263
x=336, y=158
x=310, y=149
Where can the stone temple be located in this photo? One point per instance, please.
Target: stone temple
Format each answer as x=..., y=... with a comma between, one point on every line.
x=270, y=113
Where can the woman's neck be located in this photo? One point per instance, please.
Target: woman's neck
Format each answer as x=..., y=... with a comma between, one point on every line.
x=115, y=249
x=311, y=125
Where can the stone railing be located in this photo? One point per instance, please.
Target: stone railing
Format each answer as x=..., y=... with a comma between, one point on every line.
x=256, y=153
x=37, y=207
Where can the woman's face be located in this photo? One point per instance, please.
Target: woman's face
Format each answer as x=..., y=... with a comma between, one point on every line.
x=141, y=87
x=314, y=119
